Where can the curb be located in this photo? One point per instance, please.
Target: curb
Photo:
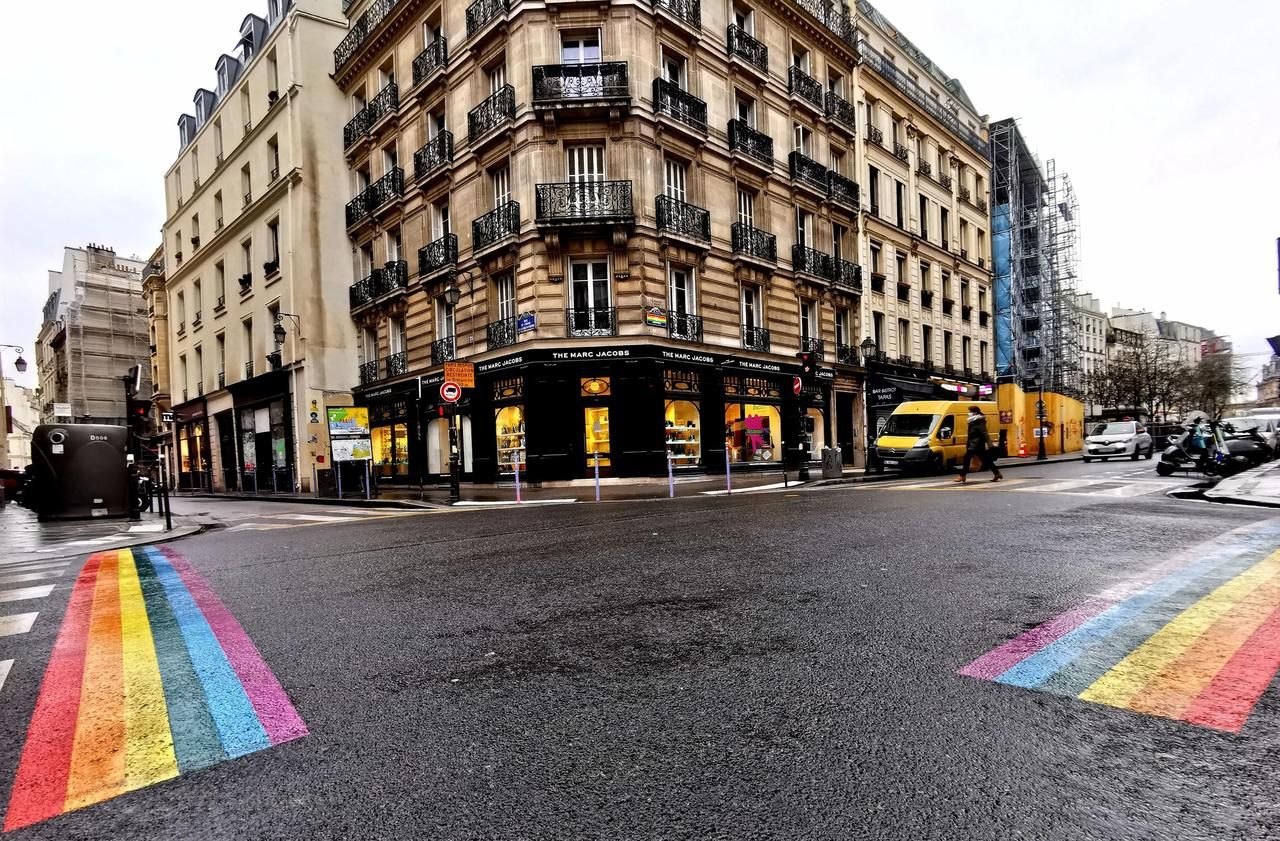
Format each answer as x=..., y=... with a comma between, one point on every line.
x=123, y=542
x=311, y=500
x=1245, y=482
x=889, y=477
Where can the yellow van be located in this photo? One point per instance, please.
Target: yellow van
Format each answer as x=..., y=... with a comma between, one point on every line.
x=931, y=435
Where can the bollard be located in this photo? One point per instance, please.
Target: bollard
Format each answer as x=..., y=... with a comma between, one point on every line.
x=671, y=475
x=728, y=471
x=516, y=465
x=597, y=455
x=782, y=445
x=367, y=489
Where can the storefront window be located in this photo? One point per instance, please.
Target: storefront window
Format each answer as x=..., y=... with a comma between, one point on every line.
x=684, y=432
x=819, y=434
x=510, y=428
x=752, y=432
x=391, y=451
x=597, y=434
x=184, y=451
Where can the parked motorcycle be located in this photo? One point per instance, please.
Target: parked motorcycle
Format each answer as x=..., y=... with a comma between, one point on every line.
x=1203, y=447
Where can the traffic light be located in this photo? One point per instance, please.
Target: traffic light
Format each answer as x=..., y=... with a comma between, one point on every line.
x=139, y=416
x=808, y=366
x=133, y=381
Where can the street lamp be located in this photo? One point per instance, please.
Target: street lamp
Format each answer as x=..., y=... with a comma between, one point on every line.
x=451, y=295
x=868, y=349
x=1040, y=415
x=279, y=332
x=19, y=364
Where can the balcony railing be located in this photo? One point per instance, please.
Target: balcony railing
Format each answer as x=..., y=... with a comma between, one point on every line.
x=444, y=350
x=482, y=12
x=834, y=17
x=395, y=276
x=498, y=109
x=810, y=261
x=945, y=180
x=222, y=379
x=438, y=254
x=875, y=135
x=431, y=59
x=808, y=344
x=904, y=291
x=842, y=190
x=964, y=193
x=806, y=169
x=397, y=364
x=369, y=372
x=501, y=333
x=437, y=153
x=926, y=298
x=683, y=326
x=689, y=11
x=900, y=152
x=571, y=84
x=248, y=370
x=360, y=32
x=755, y=338
x=602, y=202
x=599, y=321
x=683, y=219
x=744, y=138
x=361, y=292
x=841, y=111
x=386, y=188
x=847, y=354
x=877, y=282
x=847, y=275
x=270, y=267
x=801, y=84
x=947, y=306
x=747, y=48
x=387, y=101
x=924, y=168
x=499, y=223
x=753, y=242
x=675, y=102
x=358, y=208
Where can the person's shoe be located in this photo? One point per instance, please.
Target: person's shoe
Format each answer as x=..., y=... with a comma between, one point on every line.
x=959, y=479
x=997, y=477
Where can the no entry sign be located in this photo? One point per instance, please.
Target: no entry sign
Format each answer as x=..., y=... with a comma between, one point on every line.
x=450, y=392
x=796, y=385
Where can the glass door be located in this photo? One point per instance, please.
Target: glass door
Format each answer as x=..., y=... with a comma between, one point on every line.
x=585, y=168
x=591, y=314
x=596, y=430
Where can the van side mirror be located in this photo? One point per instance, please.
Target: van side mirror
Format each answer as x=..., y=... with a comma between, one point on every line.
x=944, y=432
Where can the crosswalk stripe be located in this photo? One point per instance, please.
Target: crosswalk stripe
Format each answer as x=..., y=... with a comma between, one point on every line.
x=23, y=593
x=19, y=623
x=4, y=671
x=29, y=566
x=29, y=576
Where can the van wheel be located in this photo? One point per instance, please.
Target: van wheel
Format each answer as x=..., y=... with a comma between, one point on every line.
x=1164, y=469
x=937, y=465
x=1086, y=459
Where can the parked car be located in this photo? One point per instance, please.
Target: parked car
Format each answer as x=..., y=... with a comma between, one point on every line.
x=1268, y=426
x=1118, y=439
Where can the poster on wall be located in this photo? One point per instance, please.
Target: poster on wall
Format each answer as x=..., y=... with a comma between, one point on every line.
x=348, y=421
x=352, y=449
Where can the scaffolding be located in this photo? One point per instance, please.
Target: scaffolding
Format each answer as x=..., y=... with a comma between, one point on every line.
x=1034, y=229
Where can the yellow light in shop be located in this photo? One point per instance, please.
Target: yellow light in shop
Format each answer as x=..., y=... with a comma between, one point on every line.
x=595, y=386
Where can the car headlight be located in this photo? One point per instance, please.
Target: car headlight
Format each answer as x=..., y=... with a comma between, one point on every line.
x=921, y=443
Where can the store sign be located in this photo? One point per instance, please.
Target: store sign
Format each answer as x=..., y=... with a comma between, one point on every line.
x=601, y=354
x=62, y=410
x=166, y=417
x=348, y=421
x=526, y=321
x=885, y=395
x=827, y=375
x=462, y=373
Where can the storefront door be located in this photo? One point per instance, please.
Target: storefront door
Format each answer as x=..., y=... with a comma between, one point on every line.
x=596, y=432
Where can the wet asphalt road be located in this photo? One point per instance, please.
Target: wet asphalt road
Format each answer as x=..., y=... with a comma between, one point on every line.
x=776, y=666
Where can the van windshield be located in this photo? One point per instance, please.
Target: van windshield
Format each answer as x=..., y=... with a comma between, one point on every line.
x=911, y=426
x=1113, y=429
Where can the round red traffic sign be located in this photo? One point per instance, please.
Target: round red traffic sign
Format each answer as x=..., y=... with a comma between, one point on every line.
x=796, y=385
x=450, y=392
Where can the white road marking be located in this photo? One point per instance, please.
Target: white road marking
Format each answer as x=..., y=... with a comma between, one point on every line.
x=146, y=527
x=313, y=518
x=29, y=576
x=19, y=623
x=23, y=593
x=477, y=503
x=23, y=566
x=4, y=671
x=776, y=486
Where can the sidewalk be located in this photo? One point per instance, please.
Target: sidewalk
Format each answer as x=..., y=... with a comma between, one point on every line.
x=1259, y=486
x=854, y=475
x=24, y=538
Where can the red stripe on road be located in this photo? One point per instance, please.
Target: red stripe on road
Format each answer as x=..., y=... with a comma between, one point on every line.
x=1226, y=702
x=40, y=787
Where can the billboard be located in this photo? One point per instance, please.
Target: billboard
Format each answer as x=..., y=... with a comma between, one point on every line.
x=348, y=421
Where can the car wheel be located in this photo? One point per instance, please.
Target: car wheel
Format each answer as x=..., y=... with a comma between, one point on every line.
x=1151, y=451
x=1164, y=468
x=1086, y=459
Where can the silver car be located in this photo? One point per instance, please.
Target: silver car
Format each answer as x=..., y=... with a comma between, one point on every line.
x=1118, y=439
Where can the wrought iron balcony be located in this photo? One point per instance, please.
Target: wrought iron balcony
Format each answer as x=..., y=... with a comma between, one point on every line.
x=755, y=338
x=683, y=326
x=360, y=32
x=683, y=219
x=689, y=11
x=395, y=276
x=431, y=59
x=904, y=291
x=497, y=110
x=386, y=102
x=847, y=354
x=808, y=171
x=808, y=344
x=926, y=298
x=556, y=85
x=482, y=12
x=846, y=275
x=841, y=111
x=675, y=102
x=435, y=155
x=397, y=364
x=757, y=144
x=875, y=135
x=877, y=282
x=981, y=204
x=843, y=191
x=246, y=283
x=800, y=84
x=834, y=17
x=499, y=223
x=948, y=306
x=900, y=152
x=964, y=193
x=584, y=202
x=358, y=208
x=369, y=372
x=600, y=321
x=747, y=48
x=222, y=379
x=270, y=267
x=945, y=180
x=753, y=242
x=361, y=292
x=439, y=254
x=248, y=370
x=924, y=168
x=386, y=188
x=811, y=261
x=444, y=350
x=501, y=333
x=984, y=318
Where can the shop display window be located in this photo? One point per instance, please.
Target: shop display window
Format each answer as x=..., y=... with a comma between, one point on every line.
x=597, y=434
x=390, y=451
x=819, y=434
x=683, y=432
x=184, y=451
x=752, y=432
x=511, y=441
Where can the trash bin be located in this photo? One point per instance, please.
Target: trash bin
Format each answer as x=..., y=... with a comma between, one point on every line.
x=832, y=466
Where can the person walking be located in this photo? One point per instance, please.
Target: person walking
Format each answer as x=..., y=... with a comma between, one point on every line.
x=979, y=446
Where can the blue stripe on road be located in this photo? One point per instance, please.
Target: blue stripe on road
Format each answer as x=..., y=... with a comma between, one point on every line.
x=233, y=714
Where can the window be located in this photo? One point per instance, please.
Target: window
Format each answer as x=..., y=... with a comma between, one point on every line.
x=246, y=256
x=436, y=124
x=674, y=67
x=746, y=208
x=182, y=371
x=675, y=184
x=589, y=287
x=900, y=260
x=273, y=68
x=982, y=356
x=394, y=245
x=273, y=241
x=964, y=293
x=964, y=238
x=876, y=267
x=368, y=345
x=248, y=346
x=868, y=116
x=745, y=109
x=501, y=180
x=966, y=346
x=217, y=211
x=835, y=83
x=446, y=324
x=220, y=356
x=197, y=302
x=925, y=284
x=803, y=139
x=246, y=111
x=838, y=234
x=837, y=161
x=944, y=225
x=744, y=18
x=505, y=293
x=946, y=347
x=387, y=73
x=195, y=163
x=397, y=336
x=926, y=339
x=246, y=184
x=364, y=261
x=800, y=58
x=844, y=336
x=901, y=203
x=897, y=131
x=220, y=281
x=440, y=220
x=579, y=49
x=873, y=188
x=752, y=306
x=924, y=218
x=390, y=157
x=804, y=227
x=680, y=297
x=584, y=163
x=982, y=244
x=498, y=76
x=808, y=319
x=195, y=231
x=904, y=337
x=877, y=330
x=273, y=157
x=217, y=139
x=180, y=310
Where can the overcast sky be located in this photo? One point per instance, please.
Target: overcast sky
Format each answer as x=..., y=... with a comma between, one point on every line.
x=1166, y=114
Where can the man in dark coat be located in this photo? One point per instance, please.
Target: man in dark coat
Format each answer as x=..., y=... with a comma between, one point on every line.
x=979, y=445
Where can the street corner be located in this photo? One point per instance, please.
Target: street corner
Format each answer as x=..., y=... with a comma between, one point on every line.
x=150, y=677
x=1197, y=640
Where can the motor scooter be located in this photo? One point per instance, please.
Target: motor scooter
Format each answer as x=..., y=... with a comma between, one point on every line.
x=1245, y=440
x=1202, y=448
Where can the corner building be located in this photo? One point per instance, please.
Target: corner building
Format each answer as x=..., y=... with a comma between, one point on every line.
x=631, y=217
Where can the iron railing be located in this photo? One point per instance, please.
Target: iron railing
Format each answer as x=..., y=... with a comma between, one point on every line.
x=926, y=299
x=360, y=32
x=683, y=219
x=431, y=59
x=801, y=84
x=809, y=344
x=387, y=101
x=438, y=254
x=481, y=12
x=755, y=338
x=875, y=135
x=598, y=321
x=386, y=188
x=847, y=275
x=683, y=326
x=222, y=379
x=437, y=152
x=945, y=180
x=248, y=370
x=583, y=201
x=847, y=354
x=747, y=48
x=494, y=111
x=964, y=193
x=270, y=267
x=677, y=103
x=924, y=168
x=395, y=276
x=369, y=372
x=689, y=11
x=842, y=190
x=753, y=242
x=497, y=224
x=900, y=152
x=810, y=261
x=834, y=17
x=361, y=292
x=841, y=111
x=444, y=350
x=806, y=169
x=397, y=364
x=501, y=333
x=744, y=138
x=555, y=84
x=358, y=208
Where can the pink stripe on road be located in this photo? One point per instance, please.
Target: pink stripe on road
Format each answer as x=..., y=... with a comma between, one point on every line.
x=279, y=719
x=995, y=663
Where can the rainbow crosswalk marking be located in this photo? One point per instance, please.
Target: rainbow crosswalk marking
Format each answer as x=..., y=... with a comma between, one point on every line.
x=1199, y=644
x=150, y=677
